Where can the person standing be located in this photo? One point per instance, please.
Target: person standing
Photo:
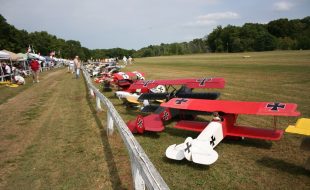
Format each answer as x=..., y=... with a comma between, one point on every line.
x=129, y=60
x=77, y=65
x=125, y=60
x=7, y=70
x=35, y=68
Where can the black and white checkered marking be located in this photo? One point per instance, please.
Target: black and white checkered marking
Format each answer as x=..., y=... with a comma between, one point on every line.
x=140, y=123
x=166, y=115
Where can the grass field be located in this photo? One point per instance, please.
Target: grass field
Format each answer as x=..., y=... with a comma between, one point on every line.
x=51, y=137
x=278, y=76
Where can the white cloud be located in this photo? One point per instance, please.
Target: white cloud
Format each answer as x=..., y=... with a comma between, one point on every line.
x=283, y=6
x=213, y=18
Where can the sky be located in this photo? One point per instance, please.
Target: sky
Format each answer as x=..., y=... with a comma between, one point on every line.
x=133, y=24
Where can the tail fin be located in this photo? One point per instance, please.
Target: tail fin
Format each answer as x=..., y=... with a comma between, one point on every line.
x=137, y=125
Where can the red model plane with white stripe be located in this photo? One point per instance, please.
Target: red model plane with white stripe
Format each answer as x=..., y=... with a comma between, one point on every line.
x=200, y=150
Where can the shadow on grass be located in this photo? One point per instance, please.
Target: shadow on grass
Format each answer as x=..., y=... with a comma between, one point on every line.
x=113, y=172
x=257, y=143
x=149, y=134
x=283, y=166
x=198, y=167
x=180, y=133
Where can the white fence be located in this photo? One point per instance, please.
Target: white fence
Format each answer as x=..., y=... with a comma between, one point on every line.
x=143, y=171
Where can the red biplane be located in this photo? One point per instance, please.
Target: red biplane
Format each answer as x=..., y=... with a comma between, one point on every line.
x=153, y=122
x=200, y=150
x=123, y=80
x=190, y=83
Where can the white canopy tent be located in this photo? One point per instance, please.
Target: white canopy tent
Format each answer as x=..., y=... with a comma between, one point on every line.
x=4, y=55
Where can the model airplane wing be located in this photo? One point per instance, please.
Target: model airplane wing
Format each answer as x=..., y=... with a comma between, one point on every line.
x=128, y=75
x=234, y=107
x=153, y=96
x=302, y=127
x=190, y=83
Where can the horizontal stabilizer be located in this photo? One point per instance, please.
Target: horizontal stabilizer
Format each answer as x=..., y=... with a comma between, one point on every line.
x=203, y=153
x=302, y=127
x=176, y=152
x=153, y=123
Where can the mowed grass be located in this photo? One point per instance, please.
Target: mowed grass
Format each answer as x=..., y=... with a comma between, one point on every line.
x=277, y=76
x=59, y=140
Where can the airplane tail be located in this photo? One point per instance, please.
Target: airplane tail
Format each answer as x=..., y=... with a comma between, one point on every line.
x=199, y=150
x=194, y=150
x=151, y=122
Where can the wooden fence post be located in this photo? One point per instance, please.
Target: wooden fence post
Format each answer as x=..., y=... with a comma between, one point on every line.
x=110, y=124
x=137, y=178
x=98, y=105
x=91, y=92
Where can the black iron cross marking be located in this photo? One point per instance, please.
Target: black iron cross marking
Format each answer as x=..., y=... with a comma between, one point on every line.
x=147, y=82
x=140, y=123
x=212, y=140
x=166, y=115
x=275, y=106
x=161, y=89
x=188, y=146
x=203, y=81
x=180, y=101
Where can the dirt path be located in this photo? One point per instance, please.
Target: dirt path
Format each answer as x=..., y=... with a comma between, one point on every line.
x=52, y=138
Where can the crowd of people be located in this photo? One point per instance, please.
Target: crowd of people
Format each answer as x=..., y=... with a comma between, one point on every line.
x=16, y=72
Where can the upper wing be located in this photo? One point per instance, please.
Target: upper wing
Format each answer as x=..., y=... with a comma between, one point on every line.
x=234, y=107
x=190, y=83
x=128, y=75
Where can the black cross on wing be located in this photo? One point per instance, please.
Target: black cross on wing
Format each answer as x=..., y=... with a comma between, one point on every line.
x=188, y=146
x=275, y=106
x=203, y=81
x=212, y=141
x=180, y=101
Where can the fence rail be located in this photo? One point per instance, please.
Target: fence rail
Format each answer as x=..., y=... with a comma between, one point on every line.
x=144, y=173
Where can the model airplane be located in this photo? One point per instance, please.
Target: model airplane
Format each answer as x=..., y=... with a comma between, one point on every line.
x=200, y=150
x=302, y=127
x=159, y=90
x=122, y=80
x=153, y=122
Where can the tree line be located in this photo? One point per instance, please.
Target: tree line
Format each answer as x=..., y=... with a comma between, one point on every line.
x=282, y=34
